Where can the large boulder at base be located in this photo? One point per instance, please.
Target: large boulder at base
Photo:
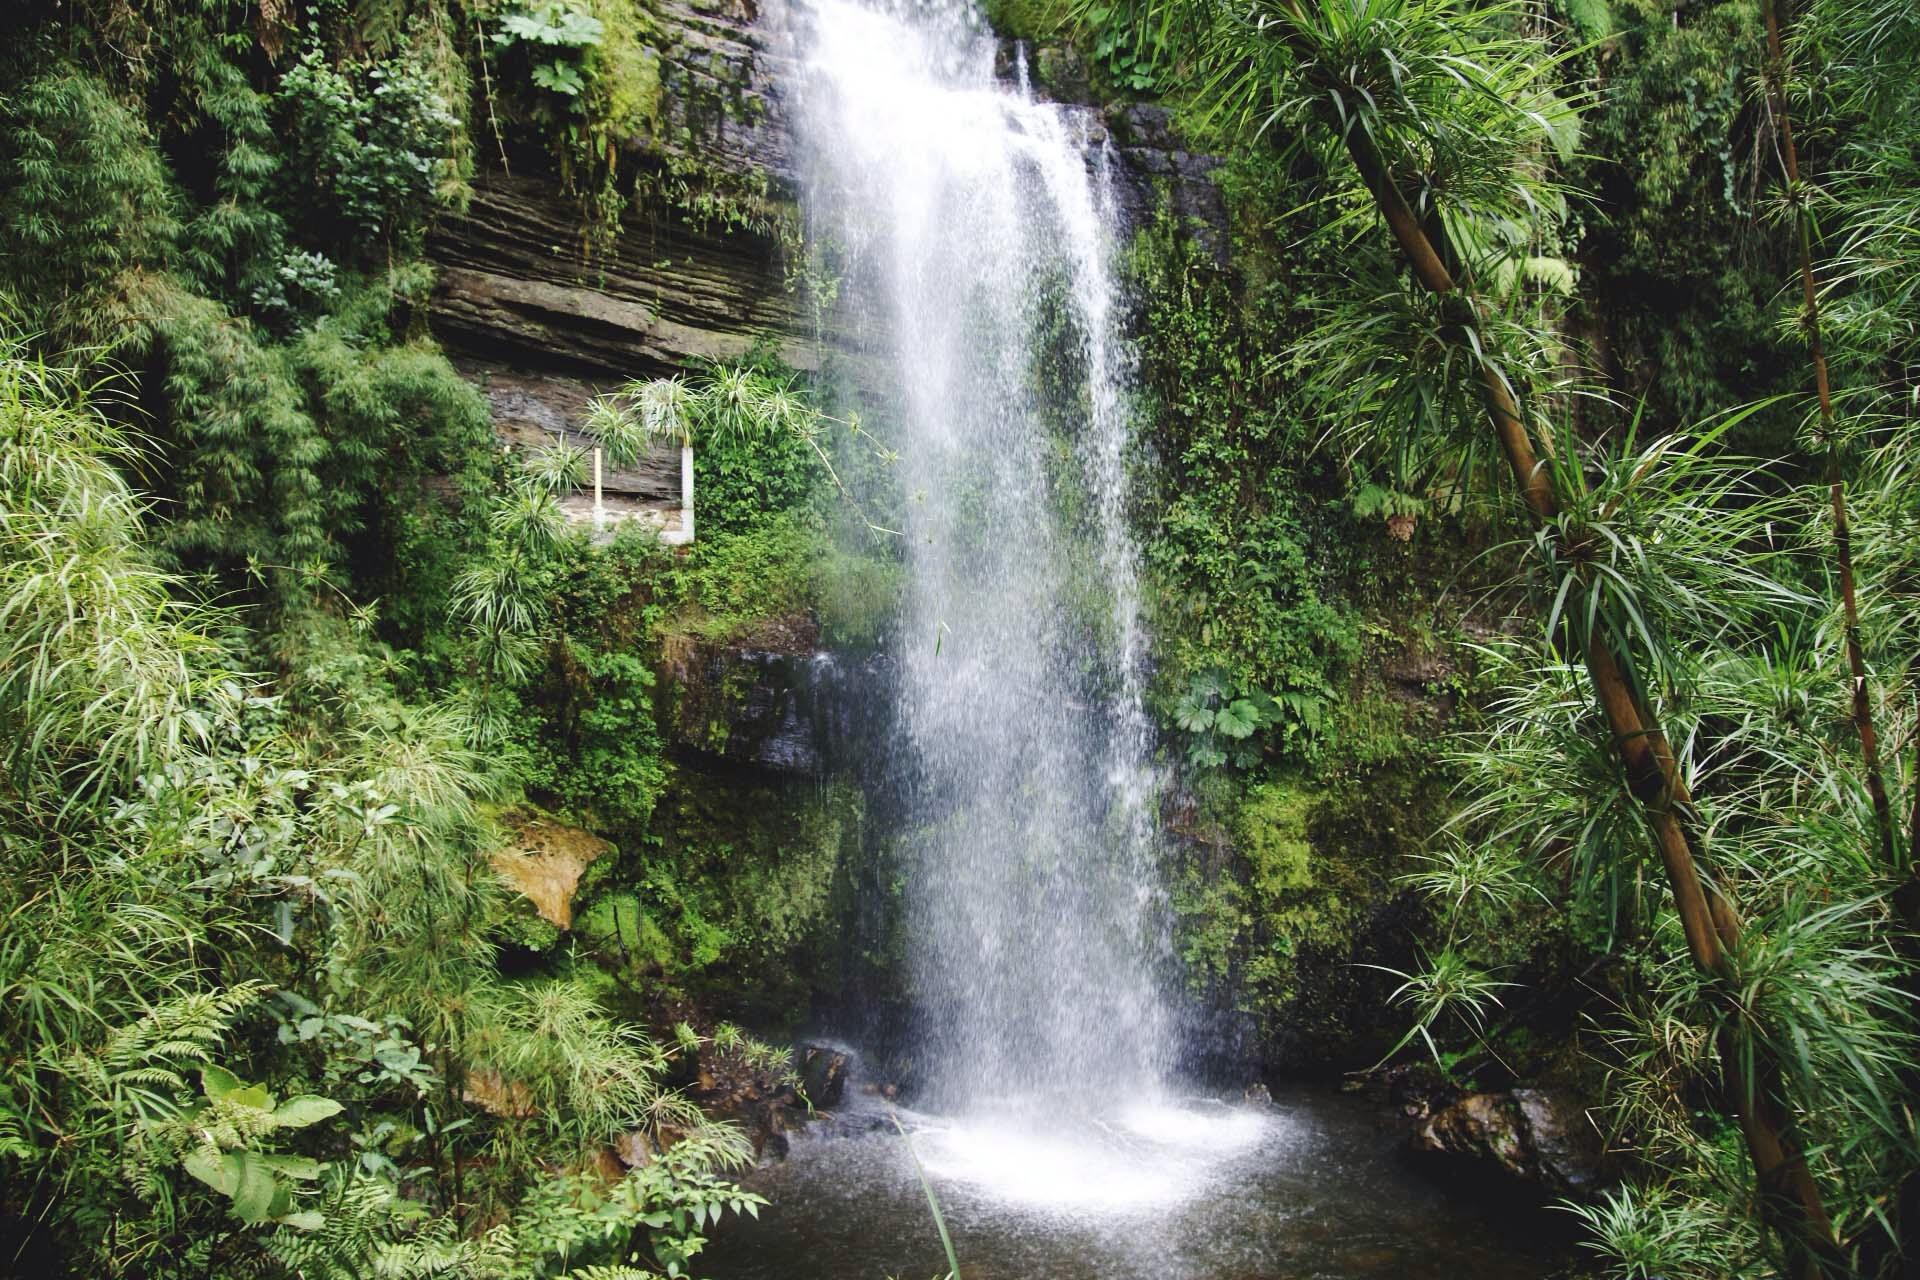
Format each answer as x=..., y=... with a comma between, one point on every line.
x=1532, y=1134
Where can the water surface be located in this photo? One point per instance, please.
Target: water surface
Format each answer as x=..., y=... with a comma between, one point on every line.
x=1313, y=1188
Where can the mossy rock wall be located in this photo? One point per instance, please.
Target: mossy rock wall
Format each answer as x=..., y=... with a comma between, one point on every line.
x=730, y=896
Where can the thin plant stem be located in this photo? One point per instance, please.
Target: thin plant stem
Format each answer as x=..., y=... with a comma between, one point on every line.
x=933, y=1201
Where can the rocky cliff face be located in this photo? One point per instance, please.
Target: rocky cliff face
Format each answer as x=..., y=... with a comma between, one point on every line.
x=517, y=290
x=543, y=326
x=776, y=703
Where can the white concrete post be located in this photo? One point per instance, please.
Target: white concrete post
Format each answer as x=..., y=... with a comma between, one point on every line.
x=599, y=505
x=686, y=491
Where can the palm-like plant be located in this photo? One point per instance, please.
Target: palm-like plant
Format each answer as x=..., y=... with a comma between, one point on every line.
x=739, y=402
x=1828, y=438
x=1446, y=117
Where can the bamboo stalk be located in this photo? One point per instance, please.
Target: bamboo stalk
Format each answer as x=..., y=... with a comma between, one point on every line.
x=1754, y=1089
x=1862, y=702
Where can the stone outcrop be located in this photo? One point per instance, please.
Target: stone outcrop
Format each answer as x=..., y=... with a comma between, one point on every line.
x=1154, y=159
x=532, y=409
x=823, y=1071
x=514, y=286
x=544, y=861
x=517, y=287
x=773, y=700
x=1532, y=1134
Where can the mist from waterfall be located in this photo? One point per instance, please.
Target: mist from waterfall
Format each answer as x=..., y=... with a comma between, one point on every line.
x=975, y=236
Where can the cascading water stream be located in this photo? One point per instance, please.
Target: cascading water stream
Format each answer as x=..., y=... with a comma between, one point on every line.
x=975, y=235
x=973, y=240
x=976, y=241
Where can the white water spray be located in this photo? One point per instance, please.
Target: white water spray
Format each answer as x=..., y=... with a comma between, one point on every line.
x=975, y=232
x=976, y=236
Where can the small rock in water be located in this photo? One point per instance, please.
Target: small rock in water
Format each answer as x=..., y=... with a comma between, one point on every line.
x=1532, y=1134
x=823, y=1073
x=1257, y=1095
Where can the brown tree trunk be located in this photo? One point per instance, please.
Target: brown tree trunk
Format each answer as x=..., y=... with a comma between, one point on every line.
x=1753, y=1086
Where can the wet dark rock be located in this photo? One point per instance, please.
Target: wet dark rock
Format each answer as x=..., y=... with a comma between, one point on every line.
x=1059, y=73
x=1532, y=1134
x=634, y=1150
x=1155, y=166
x=823, y=1073
x=733, y=1086
x=1143, y=125
x=773, y=701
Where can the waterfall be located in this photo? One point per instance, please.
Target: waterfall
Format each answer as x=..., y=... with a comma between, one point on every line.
x=975, y=235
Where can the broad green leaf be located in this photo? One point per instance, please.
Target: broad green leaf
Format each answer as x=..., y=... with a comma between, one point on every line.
x=253, y=1096
x=1237, y=719
x=206, y=1164
x=305, y=1168
x=1193, y=717
x=256, y=1191
x=298, y=1113
x=218, y=1082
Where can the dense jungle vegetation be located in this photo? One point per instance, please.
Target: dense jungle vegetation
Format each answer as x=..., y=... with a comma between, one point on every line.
x=1530, y=506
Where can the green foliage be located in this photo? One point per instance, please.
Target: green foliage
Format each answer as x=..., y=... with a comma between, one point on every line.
x=574, y=1220
x=1655, y=1233
x=732, y=581
x=1270, y=831
x=222, y=1128
x=730, y=889
x=1242, y=622
x=85, y=202
x=763, y=446
x=1222, y=720
x=1028, y=19
x=1125, y=45
x=612, y=768
x=1592, y=19
x=554, y=38
x=373, y=142
x=1276, y=902
x=1679, y=269
x=1447, y=986
x=856, y=596
x=1656, y=564
x=240, y=234
x=178, y=839
x=278, y=448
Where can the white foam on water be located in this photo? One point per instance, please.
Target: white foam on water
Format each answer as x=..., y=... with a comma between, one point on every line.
x=1147, y=1157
